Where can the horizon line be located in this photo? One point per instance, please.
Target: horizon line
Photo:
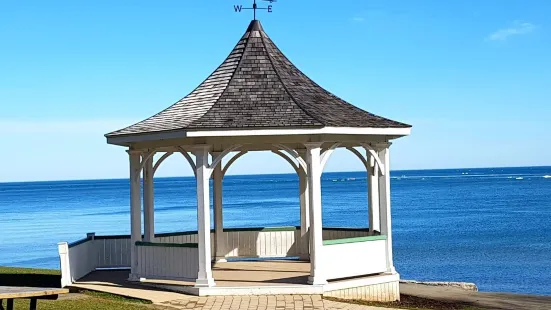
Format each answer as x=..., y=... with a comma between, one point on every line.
x=356, y=171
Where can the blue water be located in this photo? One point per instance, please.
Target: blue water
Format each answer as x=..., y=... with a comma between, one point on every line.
x=486, y=226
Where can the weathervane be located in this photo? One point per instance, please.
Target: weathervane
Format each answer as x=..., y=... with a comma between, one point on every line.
x=240, y=7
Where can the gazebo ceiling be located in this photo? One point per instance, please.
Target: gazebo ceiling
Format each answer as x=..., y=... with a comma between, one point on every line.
x=257, y=87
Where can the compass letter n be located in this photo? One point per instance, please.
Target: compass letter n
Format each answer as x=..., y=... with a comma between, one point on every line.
x=238, y=8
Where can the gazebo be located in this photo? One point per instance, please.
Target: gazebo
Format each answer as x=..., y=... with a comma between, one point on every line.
x=256, y=100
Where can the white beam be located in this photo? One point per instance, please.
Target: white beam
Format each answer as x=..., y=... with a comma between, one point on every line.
x=217, y=176
x=386, y=132
x=373, y=194
x=148, y=201
x=135, y=212
x=384, y=203
x=304, y=209
x=313, y=161
x=204, y=276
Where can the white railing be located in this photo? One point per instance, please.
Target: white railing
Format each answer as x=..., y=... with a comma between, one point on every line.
x=174, y=261
x=183, y=237
x=112, y=251
x=86, y=255
x=263, y=242
x=77, y=259
x=352, y=257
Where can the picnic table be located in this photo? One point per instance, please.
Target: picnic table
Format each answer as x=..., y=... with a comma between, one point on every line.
x=33, y=293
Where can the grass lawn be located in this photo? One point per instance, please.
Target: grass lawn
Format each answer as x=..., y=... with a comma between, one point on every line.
x=83, y=300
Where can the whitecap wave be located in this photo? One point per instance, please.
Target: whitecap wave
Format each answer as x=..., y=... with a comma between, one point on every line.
x=519, y=178
x=547, y=176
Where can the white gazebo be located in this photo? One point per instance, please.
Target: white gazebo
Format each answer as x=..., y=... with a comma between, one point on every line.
x=256, y=100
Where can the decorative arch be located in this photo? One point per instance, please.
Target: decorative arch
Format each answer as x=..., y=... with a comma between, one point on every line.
x=375, y=156
x=297, y=167
x=231, y=161
x=329, y=151
x=167, y=155
x=360, y=156
x=292, y=153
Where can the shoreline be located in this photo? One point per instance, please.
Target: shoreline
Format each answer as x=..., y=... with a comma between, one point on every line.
x=267, y=174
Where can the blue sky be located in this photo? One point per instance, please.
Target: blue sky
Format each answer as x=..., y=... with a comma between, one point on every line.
x=472, y=77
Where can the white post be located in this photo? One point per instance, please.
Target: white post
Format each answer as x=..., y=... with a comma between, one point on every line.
x=218, y=214
x=373, y=194
x=304, y=215
x=304, y=211
x=204, y=276
x=148, y=201
x=135, y=213
x=314, y=188
x=66, y=278
x=384, y=202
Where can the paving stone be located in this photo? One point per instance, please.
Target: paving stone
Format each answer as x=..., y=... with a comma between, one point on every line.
x=269, y=302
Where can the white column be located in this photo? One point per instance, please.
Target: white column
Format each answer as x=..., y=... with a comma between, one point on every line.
x=304, y=215
x=148, y=201
x=373, y=194
x=204, y=276
x=135, y=213
x=304, y=210
x=314, y=189
x=218, y=214
x=384, y=203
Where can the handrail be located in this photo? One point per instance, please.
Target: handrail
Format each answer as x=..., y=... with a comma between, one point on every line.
x=192, y=232
x=81, y=241
x=168, y=245
x=354, y=240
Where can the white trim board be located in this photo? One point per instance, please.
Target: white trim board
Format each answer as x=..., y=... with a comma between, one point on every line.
x=258, y=132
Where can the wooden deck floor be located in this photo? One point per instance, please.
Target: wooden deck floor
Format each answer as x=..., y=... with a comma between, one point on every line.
x=230, y=274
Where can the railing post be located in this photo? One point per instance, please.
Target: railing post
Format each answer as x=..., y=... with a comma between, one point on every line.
x=66, y=278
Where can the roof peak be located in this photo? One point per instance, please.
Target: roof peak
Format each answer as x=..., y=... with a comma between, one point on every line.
x=258, y=87
x=255, y=26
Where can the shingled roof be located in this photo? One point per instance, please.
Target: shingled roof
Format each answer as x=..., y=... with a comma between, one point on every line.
x=257, y=87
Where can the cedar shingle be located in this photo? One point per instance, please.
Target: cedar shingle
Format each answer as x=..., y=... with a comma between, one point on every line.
x=258, y=87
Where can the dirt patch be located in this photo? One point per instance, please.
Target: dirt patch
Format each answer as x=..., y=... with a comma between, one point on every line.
x=412, y=302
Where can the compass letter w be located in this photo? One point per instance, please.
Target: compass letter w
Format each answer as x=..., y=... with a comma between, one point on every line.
x=238, y=8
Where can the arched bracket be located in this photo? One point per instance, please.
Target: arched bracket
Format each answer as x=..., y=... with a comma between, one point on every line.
x=188, y=158
x=375, y=156
x=160, y=161
x=289, y=160
x=145, y=157
x=327, y=153
x=231, y=161
x=218, y=159
x=360, y=156
x=292, y=153
x=168, y=154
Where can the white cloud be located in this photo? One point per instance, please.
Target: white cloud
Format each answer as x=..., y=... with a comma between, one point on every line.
x=518, y=28
x=358, y=19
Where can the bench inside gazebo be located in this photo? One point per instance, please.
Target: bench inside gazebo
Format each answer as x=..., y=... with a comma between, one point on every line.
x=257, y=100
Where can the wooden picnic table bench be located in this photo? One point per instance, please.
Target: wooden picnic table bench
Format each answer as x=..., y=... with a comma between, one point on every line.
x=33, y=293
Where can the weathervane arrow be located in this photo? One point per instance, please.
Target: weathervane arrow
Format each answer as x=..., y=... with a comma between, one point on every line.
x=238, y=7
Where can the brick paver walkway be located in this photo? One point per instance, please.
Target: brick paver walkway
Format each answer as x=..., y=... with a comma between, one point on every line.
x=263, y=302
